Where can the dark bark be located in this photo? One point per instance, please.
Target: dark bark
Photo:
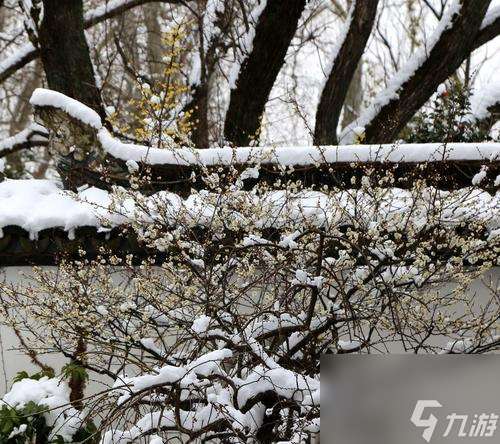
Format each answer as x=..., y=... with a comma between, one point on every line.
x=342, y=73
x=453, y=47
x=274, y=32
x=493, y=117
x=487, y=33
x=66, y=61
x=198, y=107
x=65, y=53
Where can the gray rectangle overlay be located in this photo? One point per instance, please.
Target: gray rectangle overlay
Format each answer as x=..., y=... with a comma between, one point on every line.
x=410, y=399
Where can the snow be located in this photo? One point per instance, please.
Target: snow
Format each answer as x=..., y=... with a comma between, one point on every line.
x=250, y=173
x=339, y=42
x=401, y=77
x=47, y=97
x=298, y=156
x=132, y=166
x=206, y=365
x=479, y=177
x=52, y=393
x=246, y=42
x=107, y=6
x=459, y=345
x=303, y=278
x=223, y=401
x=210, y=32
x=18, y=430
x=484, y=98
x=35, y=205
x=348, y=345
x=30, y=390
x=16, y=57
x=284, y=155
x=286, y=383
x=23, y=137
x=492, y=14
x=200, y=325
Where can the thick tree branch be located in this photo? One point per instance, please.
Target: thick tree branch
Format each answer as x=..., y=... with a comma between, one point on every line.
x=66, y=61
x=453, y=46
x=210, y=53
x=274, y=32
x=490, y=28
x=31, y=137
x=345, y=64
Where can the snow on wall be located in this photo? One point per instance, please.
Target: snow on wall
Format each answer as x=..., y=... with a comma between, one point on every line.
x=35, y=205
x=299, y=156
x=285, y=156
x=46, y=97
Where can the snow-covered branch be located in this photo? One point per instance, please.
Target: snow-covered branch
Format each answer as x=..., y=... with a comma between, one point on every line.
x=33, y=136
x=414, y=84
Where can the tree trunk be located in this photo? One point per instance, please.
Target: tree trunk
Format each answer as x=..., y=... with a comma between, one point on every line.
x=65, y=53
x=354, y=98
x=68, y=68
x=343, y=69
x=274, y=31
x=152, y=14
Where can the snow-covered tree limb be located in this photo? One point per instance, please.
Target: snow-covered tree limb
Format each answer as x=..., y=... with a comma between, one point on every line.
x=33, y=136
x=424, y=72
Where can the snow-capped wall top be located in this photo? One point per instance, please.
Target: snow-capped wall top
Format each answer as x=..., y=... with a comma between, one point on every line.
x=76, y=109
x=301, y=156
x=285, y=156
